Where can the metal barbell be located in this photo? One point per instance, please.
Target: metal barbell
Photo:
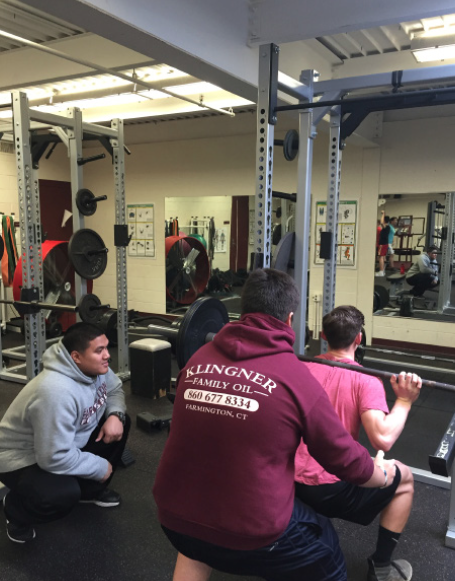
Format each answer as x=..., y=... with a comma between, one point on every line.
x=373, y=372
x=89, y=307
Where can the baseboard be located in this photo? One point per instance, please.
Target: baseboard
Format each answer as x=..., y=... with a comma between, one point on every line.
x=417, y=347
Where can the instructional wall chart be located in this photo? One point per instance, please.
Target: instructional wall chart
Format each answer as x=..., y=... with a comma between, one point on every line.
x=347, y=232
x=141, y=228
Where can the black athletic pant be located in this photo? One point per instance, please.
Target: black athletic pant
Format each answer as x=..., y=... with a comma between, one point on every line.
x=37, y=496
x=421, y=282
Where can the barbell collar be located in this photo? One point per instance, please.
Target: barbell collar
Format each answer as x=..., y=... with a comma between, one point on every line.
x=373, y=372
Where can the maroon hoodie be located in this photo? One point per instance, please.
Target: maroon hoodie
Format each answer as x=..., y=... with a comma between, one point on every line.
x=243, y=402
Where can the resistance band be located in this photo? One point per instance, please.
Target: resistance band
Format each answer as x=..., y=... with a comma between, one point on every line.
x=9, y=258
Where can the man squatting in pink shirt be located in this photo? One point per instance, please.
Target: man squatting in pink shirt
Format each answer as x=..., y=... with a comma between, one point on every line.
x=225, y=487
x=360, y=400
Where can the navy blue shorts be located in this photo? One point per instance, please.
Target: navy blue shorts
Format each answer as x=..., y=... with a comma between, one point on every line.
x=308, y=549
x=348, y=501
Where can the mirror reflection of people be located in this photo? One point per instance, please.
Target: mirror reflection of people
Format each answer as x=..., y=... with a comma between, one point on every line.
x=360, y=400
x=225, y=484
x=386, y=242
x=423, y=274
x=63, y=435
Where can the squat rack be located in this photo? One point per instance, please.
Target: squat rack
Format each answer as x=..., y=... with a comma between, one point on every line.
x=70, y=130
x=346, y=114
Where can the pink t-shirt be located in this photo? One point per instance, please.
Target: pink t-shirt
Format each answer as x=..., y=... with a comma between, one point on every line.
x=351, y=394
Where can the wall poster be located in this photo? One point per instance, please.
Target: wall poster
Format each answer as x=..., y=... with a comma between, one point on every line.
x=141, y=228
x=347, y=232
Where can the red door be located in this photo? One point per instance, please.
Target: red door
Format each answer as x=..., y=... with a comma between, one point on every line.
x=239, y=233
x=55, y=198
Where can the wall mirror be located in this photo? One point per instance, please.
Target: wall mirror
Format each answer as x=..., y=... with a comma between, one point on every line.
x=418, y=221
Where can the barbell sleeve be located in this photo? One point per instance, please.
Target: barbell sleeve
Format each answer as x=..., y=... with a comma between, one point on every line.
x=38, y=305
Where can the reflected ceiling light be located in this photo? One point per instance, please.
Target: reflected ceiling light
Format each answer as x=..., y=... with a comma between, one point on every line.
x=434, y=45
x=193, y=88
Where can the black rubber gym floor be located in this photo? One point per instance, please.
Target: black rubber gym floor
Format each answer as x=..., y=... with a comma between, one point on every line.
x=126, y=543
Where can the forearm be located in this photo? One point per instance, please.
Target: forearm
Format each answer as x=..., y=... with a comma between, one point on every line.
x=390, y=428
x=378, y=478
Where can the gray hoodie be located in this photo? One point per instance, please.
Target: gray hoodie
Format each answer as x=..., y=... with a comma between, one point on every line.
x=53, y=416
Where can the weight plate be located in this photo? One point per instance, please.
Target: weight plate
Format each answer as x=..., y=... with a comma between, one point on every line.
x=85, y=202
x=88, y=253
x=383, y=295
x=360, y=351
x=89, y=310
x=291, y=144
x=205, y=315
x=376, y=302
x=108, y=322
x=283, y=257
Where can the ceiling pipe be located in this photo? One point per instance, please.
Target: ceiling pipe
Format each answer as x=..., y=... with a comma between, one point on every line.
x=118, y=74
x=106, y=92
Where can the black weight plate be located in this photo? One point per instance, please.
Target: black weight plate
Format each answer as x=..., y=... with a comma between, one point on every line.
x=205, y=315
x=383, y=294
x=85, y=203
x=108, y=322
x=291, y=144
x=88, y=309
x=360, y=351
x=376, y=302
x=283, y=257
x=82, y=242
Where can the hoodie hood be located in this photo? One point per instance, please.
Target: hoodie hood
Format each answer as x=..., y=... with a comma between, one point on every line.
x=254, y=335
x=57, y=358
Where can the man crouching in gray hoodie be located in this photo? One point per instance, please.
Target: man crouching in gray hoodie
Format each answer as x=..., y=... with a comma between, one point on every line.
x=63, y=435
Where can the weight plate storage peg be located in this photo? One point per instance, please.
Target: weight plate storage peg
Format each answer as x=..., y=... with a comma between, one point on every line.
x=88, y=253
x=86, y=201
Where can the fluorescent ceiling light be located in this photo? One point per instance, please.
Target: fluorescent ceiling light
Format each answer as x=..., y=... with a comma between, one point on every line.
x=434, y=45
x=436, y=53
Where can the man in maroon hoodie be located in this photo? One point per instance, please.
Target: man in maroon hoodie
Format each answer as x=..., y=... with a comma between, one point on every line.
x=225, y=484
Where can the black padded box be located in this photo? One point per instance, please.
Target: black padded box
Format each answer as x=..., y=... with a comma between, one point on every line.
x=150, y=366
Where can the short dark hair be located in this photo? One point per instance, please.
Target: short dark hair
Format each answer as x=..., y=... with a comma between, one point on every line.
x=431, y=249
x=393, y=218
x=270, y=291
x=342, y=325
x=386, y=219
x=78, y=336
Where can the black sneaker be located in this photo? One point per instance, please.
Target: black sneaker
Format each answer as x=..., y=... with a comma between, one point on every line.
x=106, y=498
x=399, y=570
x=18, y=533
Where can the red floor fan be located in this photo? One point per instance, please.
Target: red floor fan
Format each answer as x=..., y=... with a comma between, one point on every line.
x=187, y=269
x=59, y=285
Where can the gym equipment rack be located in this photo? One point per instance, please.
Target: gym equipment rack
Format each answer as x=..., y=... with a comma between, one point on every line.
x=70, y=129
x=337, y=97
